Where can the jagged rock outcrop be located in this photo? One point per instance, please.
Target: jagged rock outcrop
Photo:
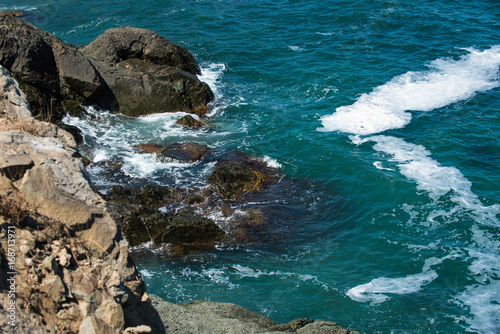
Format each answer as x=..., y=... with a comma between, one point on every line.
x=73, y=271
x=128, y=70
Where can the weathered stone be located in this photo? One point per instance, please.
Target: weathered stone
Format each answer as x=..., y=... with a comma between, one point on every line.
x=15, y=162
x=129, y=70
x=190, y=122
x=54, y=288
x=238, y=174
x=231, y=178
x=141, y=88
x=141, y=224
x=153, y=196
x=119, y=44
x=148, y=148
x=27, y=52
x=76, y=71
x=15, y=103
x=189, y=151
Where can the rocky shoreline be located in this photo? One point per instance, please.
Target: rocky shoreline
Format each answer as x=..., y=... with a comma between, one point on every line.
x=66, y=244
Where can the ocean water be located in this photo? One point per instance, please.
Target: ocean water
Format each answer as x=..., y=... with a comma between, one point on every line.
x=385, y=117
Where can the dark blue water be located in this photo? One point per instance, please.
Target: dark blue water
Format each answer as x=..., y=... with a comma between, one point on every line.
x=385, y=114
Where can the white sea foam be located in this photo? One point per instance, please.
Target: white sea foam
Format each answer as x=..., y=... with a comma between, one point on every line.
x=447, y=81
x=378, y=289
x=379, y=165
x=271, y=162
x=146, y=273
x=23, y=8
x=415, y=163
x=211, y=75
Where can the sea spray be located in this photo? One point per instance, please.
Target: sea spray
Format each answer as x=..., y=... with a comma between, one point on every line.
x=446, y=82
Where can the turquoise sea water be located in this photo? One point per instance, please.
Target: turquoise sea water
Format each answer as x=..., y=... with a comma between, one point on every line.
x=385, y=115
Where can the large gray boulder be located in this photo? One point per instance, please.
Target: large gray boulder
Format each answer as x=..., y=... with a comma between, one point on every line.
x=128, y=70
x=55, y=76
x=119, y=44
x=208, y=317
x=146, y=72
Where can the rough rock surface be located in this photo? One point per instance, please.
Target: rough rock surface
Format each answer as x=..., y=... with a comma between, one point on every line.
x=129, y=70
x=237, y=175
x=146, y=72
x=74, y=273
x=119, y=44
x=189, y=151
x=190, y=122
x=207, y=317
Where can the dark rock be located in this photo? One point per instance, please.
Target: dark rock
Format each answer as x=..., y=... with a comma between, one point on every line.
x=141, y=224
x=55, y=76
x=153, y=196
x=190, y=122
x=147, y=73
x=238, y=174
x=184, y=152
x=148, y=148
x=129, y=70
x=232, y=178
x=142, y=88
x=188, y=227
x=120, y=194
x=119, y=44
x=26, y=51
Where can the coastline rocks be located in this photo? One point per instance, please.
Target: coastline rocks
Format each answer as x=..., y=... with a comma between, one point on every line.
x=148, y=148
x=74, y=272
x=237, y=175
x=54, y=75
x=128, y=70
x=208, y=317
x=142, y=224
x=189, y=151
x=146, y=72
x=190, y=122
x=116, y=45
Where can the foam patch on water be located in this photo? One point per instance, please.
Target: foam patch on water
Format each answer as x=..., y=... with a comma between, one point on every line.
x=415, y=163
x=296, y=48
x=273, y=163
x=447, y=81
x=22, y=8
x=377, y=290
x=211, y=75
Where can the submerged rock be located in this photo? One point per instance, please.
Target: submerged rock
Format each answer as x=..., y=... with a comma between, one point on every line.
x=190, y=122
x=189, y=151
x=141, y=224
x=148, y=148
x=239, y=174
